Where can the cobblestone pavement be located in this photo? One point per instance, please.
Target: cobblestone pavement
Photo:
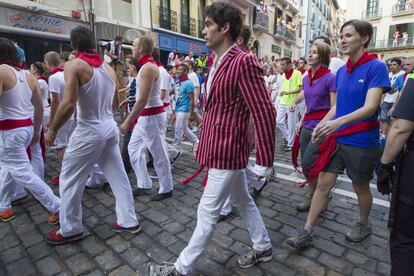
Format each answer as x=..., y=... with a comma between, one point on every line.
x=167, y=227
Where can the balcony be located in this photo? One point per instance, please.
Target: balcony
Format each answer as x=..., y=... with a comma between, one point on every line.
x=402, y=9
x=188, y=25
x=371, y=14
x=260, y=20
x=200, y=28
x=391, y=44
x=167, y=19
x=282, y=32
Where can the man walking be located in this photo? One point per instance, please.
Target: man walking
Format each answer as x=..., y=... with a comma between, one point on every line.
x=90, y=87
x=235, y=93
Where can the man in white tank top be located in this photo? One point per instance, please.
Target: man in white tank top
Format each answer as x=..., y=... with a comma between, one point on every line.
x=19, y=93
x=90, y=88
x=148, y=133
x=56, y=88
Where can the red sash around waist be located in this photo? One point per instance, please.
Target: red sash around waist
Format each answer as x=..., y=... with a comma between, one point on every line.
x=328, y=146
x=167, y=104
x=317, y=115
x=150, y=111
x=13, y=124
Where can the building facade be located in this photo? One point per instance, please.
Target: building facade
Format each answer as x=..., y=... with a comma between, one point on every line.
x=393, y=22
x=322, y=17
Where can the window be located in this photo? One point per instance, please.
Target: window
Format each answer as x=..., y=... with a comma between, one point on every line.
x=372, y=7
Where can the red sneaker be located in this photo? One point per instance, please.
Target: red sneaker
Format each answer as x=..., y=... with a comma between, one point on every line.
x=54, y=180
x=53, y=219
x=118, y=228
x=6, y=215
x=56, y=238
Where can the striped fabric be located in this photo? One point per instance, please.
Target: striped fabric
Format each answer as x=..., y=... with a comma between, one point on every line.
x=132, y=94
x=237, y=93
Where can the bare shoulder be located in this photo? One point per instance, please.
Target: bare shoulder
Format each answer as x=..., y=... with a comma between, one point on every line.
x=150, y=69
x=77, y=65
x=31, y=81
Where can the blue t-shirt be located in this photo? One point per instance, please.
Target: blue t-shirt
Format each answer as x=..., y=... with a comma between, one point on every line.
x=399, y=82
x=182, y=96
x=351, y=91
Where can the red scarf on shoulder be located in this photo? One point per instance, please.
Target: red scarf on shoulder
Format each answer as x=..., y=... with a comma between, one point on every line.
x=182, y=79
x=91, y=56
x=302, y=71
x=142, y=61
x=57, y=69
x=366, y=57
x=42, y=78
x=320, y=72
x=288, y=74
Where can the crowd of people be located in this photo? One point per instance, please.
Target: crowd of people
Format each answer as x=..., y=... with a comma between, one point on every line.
x=326, y=110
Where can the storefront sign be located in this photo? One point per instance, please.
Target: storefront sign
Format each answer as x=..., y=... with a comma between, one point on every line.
x=37, y=22
x=170, y=42
x=287, y=53
x=107, y=31
x=276, y=49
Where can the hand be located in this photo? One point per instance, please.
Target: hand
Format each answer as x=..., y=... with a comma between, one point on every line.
x=124, y=127
x=390, y=111
x=324, y=129
x=35, y=139
x=298, y=126
x=292, y=108
x=50, y=138
x=195, y=148
x=385, y=173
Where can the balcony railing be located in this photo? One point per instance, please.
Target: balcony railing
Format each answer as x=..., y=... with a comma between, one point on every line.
x=283, y=31
x=260, y=20
x=200, y=28
x=401, y=43
x=372, y=14
x=167, y=19
x=402, y=9
x=185, y=24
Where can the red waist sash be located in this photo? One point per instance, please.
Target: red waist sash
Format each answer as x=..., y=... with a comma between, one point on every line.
x=150, y=111
x=317, y=115
x=13, y=124
x=328, y=146
x=167, y=104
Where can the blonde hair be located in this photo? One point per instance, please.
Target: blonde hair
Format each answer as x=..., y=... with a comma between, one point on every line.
x=53, y=58
x=324, y=53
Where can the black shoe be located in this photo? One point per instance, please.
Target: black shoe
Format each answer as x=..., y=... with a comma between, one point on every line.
x=175, y=158
x=224, y=217
x=288, y=148
x=150, y=164
x=256, y=192
x=104, y=186
x=158, y=197
x=18, y=200
x=140, y=191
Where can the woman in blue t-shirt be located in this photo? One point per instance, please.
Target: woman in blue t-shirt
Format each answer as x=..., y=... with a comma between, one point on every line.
x=350, y=132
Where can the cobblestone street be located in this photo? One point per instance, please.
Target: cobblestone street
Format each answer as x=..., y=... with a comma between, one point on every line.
x=167, y=227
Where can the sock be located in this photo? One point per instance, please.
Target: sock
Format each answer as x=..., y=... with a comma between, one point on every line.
x=308, y=228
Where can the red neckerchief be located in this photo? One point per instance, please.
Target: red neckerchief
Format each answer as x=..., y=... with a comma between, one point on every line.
x=42, y=78
x=288, y=74
x=91, y=56
x=144, y=60
x=57, y=69
x=404, y=77
x=159, y=64
x=366, y=57
x=302, y=71
x=320, y=72
x=182, y=79
x=11, y=64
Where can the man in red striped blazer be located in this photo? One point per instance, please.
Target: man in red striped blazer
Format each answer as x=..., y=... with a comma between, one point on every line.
x=235, y=92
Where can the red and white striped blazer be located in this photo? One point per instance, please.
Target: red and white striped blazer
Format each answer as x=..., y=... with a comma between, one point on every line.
x=237, y=93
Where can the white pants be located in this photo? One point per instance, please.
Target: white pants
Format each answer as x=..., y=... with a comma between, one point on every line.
x=287, y=130
x=64, y=133
x=149, y=134
x=96, y=178
x=16, y=170
x=220, y=185
x=251, y=179
x=80, y=156
x=301, y=108
x=181, y=128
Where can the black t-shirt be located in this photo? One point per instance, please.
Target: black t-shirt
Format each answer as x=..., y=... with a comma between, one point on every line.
x=405, y=110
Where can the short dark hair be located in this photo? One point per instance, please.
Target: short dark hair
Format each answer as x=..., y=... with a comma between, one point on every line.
x=364, y=28
x=64, y=55
x=190, y=64
x=8, y=52
x=134, y=61
x=286, y=59
x=184, y=66
x=324, y=38
x=303, y=59
x=245, y=34
x=82, y=39
x=118, y=38
x=223, y=13
x=39, y=67
x=156, y=54
x=396, y=60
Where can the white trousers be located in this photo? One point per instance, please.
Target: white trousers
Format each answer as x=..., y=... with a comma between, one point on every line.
x=220, y=185
x=16, y=170
x=287, y=129
x=96, y=178
x=251, y=179
x=181, y=128
x=149, y=134
x=80, y=156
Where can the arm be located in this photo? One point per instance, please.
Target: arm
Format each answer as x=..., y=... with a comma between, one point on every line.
x=300, y=97
x=163, y=94
x=70, y=96
x=295, y=91
x=196, y=95
x=148, y=76
x=191, y=102
x=54, y=104
x=38, y=108
x=398, y=135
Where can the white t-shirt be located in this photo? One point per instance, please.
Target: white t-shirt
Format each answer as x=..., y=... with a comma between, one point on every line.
x=335, y=64
x=44, y=89
x=390, y=98
x=165, y=82
x=57, y=84
x=188, y=58
x=194, y=79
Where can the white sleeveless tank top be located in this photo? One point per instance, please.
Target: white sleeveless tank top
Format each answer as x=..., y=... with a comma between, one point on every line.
x=44, y=88
x=154, y=99
x=15, y=103
x=94, y=107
